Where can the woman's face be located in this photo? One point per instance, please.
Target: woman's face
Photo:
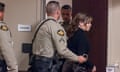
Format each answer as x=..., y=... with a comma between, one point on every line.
x=85, y=27
x=88, y=26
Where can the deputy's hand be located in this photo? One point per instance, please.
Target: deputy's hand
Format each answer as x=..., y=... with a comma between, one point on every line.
x=82, y=59
x=94, y=69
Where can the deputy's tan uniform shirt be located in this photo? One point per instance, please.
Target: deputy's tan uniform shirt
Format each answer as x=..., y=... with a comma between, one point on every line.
x=65, y=25
x=50, y=37
x=6, y=48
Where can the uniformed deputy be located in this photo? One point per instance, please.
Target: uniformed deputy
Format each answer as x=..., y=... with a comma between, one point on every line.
x=51, y=40
x=8, y=61
x=66, y=13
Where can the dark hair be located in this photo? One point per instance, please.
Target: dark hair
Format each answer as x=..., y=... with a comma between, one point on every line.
x=52, y=6
x=66, y=7
x=2, y=5
x=80, y=17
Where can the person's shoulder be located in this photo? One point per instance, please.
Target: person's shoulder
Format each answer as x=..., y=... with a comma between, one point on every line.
x=78, y=34
x=79, y=31
x=51, y=21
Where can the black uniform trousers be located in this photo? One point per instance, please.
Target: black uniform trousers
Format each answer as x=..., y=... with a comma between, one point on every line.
x=44, y=64
x=3, y=66
x=41, y=64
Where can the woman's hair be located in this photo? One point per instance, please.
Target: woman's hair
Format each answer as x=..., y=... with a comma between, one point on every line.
x=80, y=17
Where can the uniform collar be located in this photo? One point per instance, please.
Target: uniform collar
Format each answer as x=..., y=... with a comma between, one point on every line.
x=1, y=22
x=50, y=17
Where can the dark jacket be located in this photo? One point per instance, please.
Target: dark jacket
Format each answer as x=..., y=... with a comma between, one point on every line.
x=79, y=44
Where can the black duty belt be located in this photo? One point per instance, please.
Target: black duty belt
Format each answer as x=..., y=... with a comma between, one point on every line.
x=36, y=57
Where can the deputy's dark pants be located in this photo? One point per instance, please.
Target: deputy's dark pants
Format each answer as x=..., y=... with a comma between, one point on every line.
x=41, y=64
x=44, y=64
x=3, y=66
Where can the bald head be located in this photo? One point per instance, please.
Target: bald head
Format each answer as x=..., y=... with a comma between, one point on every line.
x=52, y=7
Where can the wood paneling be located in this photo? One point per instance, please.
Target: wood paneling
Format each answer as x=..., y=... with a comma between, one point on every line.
x=98, y=9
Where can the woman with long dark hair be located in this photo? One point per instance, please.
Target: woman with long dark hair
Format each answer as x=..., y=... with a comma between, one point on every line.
x=79, y=44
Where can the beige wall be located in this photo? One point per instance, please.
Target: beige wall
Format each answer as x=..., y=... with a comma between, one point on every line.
x=21, y=12
x=114, y=32
x=28, y=12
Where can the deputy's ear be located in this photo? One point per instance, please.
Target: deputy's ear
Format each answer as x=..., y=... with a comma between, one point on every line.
x=58, y=12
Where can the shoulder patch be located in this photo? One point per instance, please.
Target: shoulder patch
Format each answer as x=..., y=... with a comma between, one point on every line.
x=4, y=27
x=60, y=32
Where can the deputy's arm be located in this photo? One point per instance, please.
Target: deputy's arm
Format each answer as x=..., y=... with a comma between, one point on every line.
x=7, y=51
x=59, y=40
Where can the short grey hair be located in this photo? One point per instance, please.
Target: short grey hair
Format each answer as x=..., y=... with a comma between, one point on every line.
x=52, y=6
